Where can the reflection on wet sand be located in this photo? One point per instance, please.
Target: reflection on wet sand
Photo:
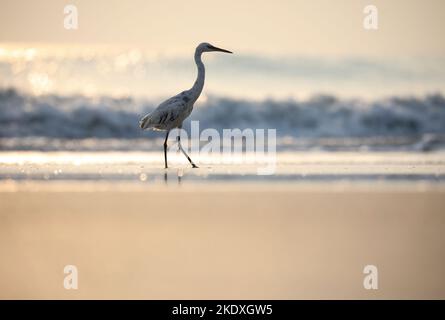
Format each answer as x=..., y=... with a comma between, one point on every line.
x=177, y=173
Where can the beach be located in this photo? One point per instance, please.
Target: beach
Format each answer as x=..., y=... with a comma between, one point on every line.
x=318, y=129
x=209, y=233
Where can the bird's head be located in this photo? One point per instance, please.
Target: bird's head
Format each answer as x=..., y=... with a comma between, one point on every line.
x=207, y=47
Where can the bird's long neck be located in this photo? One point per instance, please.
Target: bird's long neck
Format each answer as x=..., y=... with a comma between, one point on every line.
x=199, y=83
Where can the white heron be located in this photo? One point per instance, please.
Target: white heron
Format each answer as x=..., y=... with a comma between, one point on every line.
x=171, y=113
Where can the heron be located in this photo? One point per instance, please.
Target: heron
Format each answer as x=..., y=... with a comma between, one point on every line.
x=171, y=113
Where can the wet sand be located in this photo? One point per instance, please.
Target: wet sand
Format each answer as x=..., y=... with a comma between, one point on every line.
x=221, y=240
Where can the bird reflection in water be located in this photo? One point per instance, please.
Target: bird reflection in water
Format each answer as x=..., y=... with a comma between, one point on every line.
x=179, y=174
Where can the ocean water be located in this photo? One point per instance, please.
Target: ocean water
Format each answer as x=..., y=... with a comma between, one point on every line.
x=379, y=169
x=91, y=99
x=54, y=122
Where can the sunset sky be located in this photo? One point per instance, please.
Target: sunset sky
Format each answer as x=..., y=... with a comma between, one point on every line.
x=283, y=27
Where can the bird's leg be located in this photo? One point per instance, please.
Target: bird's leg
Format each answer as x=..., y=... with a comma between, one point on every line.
x=188, y=158
x=165, y=149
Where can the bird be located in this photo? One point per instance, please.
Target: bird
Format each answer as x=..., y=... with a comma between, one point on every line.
x=171, y=113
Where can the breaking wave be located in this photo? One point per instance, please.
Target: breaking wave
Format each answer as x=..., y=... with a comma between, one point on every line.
x=414, y=119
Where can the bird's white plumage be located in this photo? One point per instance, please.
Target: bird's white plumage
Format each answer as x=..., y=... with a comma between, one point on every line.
x=172, y=112
x=169, y=114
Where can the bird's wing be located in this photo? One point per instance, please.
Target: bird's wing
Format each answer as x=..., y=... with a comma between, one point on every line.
x=167, y=112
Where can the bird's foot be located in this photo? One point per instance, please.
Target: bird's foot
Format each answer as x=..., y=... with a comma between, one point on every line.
x=194, y=165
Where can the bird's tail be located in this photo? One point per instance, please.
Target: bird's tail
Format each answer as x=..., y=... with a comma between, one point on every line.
x=144, y=123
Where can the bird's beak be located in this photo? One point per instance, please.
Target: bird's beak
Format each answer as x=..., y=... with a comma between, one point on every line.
x=221, y=50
